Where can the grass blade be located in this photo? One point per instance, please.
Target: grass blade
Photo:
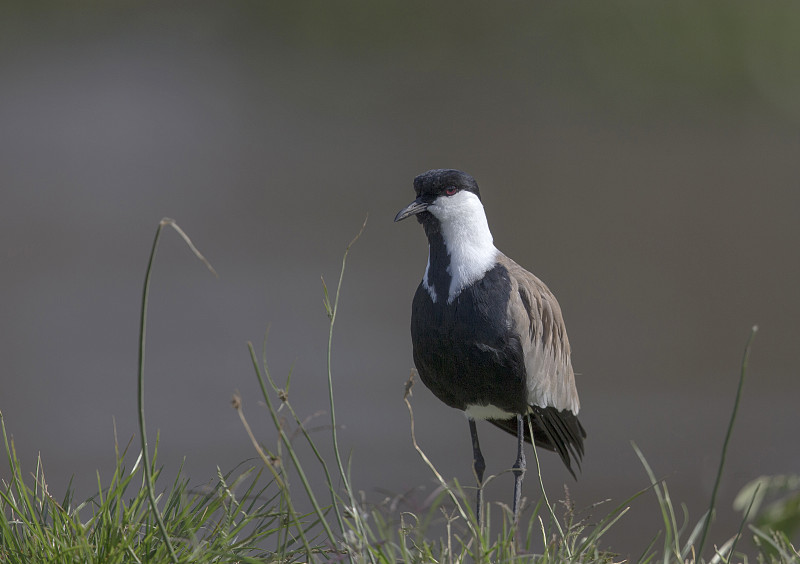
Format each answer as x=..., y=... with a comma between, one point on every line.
x=728, y=433
x=140, y=388
x=332, y=310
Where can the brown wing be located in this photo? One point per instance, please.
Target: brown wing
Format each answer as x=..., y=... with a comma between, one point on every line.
x=536, y=317
x=553, y=399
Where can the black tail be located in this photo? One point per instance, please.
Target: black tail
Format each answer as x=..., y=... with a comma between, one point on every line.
x=554, y=430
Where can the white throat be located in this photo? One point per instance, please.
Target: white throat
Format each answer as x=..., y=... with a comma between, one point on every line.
x=467, y=237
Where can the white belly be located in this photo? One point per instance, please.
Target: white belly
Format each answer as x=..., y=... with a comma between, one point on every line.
x=487, y=412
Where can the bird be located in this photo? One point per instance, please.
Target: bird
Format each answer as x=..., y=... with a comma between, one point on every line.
x=488, y=337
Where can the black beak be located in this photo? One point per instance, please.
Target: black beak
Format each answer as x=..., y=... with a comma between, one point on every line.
x=415, y=207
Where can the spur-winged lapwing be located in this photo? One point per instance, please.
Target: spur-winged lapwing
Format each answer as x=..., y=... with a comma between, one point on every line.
x=488, y=336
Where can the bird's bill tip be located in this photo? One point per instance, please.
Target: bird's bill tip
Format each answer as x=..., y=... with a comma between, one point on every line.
x=415, y=207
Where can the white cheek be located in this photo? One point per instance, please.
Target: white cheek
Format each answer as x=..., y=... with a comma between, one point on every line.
x=462, y=211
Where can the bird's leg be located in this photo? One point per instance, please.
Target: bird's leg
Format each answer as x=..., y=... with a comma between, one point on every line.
x=478, y=466
x=519, y=467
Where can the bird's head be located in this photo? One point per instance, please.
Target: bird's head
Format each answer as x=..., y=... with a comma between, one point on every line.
x=444, y=195
x=460, y=246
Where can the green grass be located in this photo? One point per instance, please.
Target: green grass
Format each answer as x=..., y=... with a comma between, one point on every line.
x=270, y=512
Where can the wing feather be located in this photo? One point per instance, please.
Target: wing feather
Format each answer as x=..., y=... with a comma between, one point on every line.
x=536, y=317
x=550, y=381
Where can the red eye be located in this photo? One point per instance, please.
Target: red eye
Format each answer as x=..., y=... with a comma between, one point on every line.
x=450, y=191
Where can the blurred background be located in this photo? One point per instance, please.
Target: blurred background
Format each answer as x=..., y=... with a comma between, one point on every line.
x=641, y=159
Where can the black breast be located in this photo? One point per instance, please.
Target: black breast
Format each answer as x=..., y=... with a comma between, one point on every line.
x=465, y=351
